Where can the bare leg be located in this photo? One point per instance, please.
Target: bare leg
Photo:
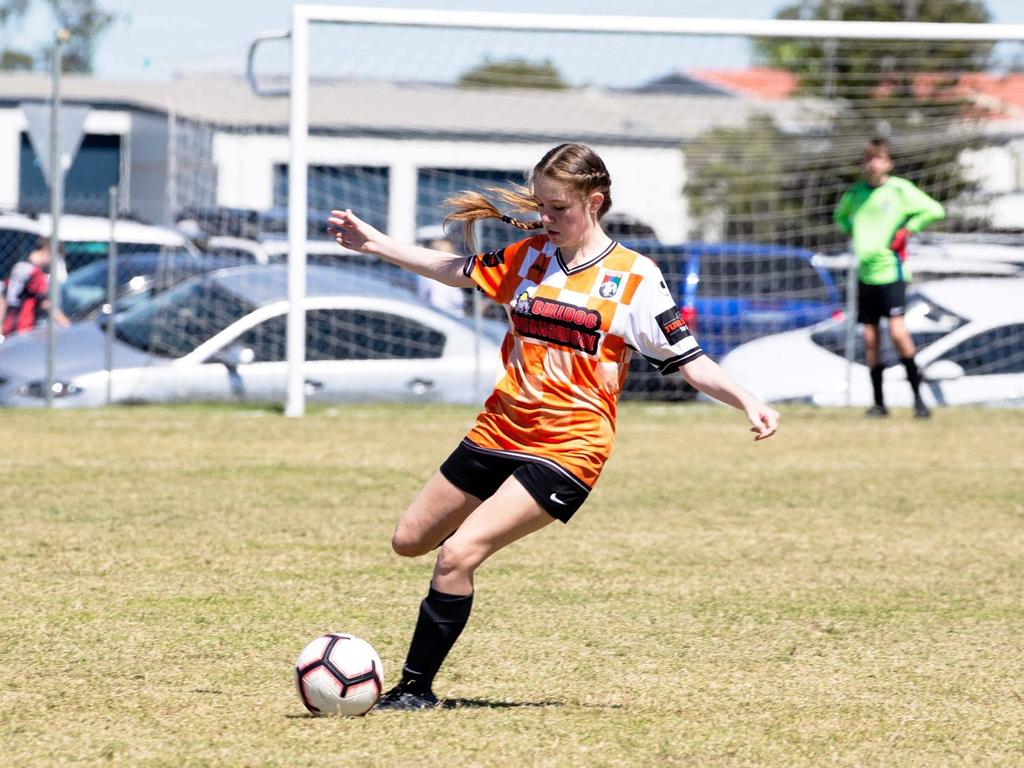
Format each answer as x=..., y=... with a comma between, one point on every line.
x=901, y=339
x=509, y=515
x=438, y=510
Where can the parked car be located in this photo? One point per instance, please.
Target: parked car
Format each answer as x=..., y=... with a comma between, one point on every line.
x=731, y=293
x=323, y=252
x=85, y=239
x=926, y=264
x=138, y=277
x=221, y=337
x=969, y=335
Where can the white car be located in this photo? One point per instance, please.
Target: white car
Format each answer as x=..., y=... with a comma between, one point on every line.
x=970, y=340
x=85, y=239
x=221, y=337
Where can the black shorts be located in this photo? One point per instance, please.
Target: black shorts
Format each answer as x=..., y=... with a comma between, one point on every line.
x=481, y=471
x=877, y=301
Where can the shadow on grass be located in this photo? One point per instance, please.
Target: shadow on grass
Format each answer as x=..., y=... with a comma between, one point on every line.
x=482, y=704
x=488, y=704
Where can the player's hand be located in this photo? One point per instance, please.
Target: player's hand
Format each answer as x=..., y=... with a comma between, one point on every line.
x=899, y=243
x=351, y=232
x=764, y=421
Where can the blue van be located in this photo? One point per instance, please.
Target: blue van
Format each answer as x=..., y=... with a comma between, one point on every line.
x=731, y=293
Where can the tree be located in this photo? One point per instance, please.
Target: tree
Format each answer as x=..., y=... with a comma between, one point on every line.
x=84, y=19
x=10, y=58
x=86, y=22
x=760, y=182
x=513, y=73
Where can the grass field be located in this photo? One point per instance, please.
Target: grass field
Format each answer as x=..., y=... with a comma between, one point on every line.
x=847, y=593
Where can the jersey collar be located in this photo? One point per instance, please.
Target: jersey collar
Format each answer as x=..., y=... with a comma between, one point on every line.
x=561, y=262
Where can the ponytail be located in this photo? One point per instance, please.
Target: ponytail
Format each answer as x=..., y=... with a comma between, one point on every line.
x=574, y=164
x=470, y=207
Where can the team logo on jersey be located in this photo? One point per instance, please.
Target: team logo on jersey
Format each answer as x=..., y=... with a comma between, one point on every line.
x=557, y=322
x=673, y=325
x=610, y=285
x=494, y=258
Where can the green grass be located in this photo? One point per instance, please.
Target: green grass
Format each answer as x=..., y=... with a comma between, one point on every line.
x=847, y=593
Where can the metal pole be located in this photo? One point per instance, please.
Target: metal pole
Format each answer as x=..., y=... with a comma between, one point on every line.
x=295, y=404
x=851, y=324
x=111, y=293
x=56, y=203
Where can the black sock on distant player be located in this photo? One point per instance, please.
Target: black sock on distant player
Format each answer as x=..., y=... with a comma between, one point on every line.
x=876, y=384
x=442, y=618
x=913, y=376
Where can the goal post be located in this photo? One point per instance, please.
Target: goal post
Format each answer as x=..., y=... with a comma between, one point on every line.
x=801, y=132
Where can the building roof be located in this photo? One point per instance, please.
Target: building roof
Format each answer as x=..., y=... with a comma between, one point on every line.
x=385, y=108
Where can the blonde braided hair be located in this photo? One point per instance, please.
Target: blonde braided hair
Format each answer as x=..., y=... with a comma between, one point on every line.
x=574, y=164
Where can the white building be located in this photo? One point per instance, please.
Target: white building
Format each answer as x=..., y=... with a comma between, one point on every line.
x=388, y=150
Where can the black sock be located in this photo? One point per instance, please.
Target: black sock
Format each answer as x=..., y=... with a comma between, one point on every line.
x=876, y=383
x=441, y=620
x=913, y=376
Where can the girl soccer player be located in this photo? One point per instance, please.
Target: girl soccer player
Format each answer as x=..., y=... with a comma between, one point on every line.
x=578, y=303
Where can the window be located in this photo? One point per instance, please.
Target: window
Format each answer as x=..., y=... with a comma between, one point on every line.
x=347, y=334
x=433, y=185
x=95, y=169
x=176, y=322
x=350, y=334
x=832, y=337
x=268, y=340
x=363, y=188
x=1000, y=350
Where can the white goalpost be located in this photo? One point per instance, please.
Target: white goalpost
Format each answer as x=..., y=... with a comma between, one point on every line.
x=640, y=123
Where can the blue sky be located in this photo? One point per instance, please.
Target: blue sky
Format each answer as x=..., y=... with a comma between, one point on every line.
x=156, y=39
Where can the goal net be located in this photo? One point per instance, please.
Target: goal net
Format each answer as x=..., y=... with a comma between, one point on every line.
x=729, y=143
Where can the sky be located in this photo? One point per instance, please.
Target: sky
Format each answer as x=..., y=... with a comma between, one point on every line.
x=157, y=39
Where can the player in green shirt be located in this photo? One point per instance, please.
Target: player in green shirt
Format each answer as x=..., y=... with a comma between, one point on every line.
x=881, y=212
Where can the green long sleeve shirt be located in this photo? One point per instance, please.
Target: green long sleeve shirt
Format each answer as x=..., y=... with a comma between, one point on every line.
x=873, y=215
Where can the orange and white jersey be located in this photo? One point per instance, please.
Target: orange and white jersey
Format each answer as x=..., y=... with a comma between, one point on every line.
x=566, y=355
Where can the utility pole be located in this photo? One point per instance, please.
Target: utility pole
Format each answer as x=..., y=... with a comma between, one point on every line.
x=56, y=204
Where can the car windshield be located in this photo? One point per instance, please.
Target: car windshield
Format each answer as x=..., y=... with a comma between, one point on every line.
x=176, y=322
x=84, y=290
x=78, y=253
x=926, y=321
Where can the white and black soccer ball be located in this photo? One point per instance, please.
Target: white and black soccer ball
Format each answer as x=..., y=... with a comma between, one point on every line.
x=339, y=674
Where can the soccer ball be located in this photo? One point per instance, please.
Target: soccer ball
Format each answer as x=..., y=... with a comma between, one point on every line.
x=339, y=674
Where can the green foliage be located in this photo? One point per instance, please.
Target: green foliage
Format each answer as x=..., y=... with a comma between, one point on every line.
x=763, y=183
x=513, y=73
x=16, y=61
x=84, y=20
x=861, y=70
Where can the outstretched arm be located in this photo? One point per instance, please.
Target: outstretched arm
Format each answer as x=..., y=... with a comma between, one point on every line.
x=352, y=232
x=704, y=374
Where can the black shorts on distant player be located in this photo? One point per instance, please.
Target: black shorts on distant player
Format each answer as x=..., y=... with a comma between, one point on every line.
x=877, y=301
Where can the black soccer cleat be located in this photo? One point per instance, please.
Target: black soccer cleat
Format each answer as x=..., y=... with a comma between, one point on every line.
x=921, y=411
x=876, y=412
x=404, y=697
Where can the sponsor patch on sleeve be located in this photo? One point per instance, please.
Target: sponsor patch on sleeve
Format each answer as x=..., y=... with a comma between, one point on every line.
x=493, y=259
x=672, y=325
